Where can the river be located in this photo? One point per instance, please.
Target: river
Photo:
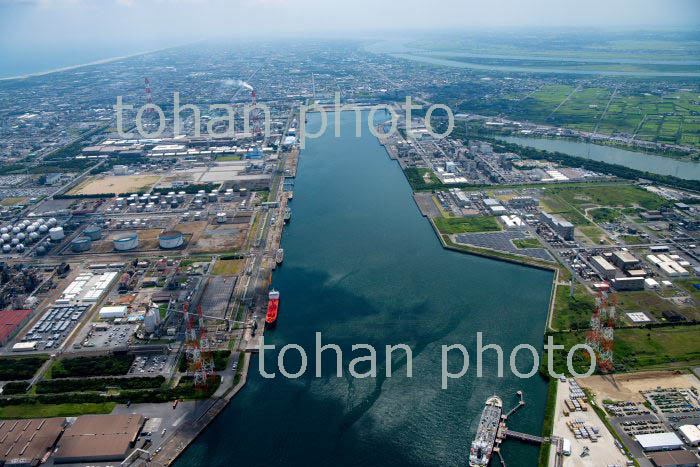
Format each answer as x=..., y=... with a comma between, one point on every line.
x=632, y=159
x=362, y=266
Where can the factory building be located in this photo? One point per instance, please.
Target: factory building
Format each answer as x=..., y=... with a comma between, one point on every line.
x=11, y=321
x=625, y=260
x=659, y=441
x=170, y=239
x=26, y=442
x=606, y=269
x=629, y=283
x=99, y=438
x=564, y=228
x=679, y=458
x=520, y=202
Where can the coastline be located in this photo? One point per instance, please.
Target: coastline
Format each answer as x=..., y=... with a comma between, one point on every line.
x=96, y=62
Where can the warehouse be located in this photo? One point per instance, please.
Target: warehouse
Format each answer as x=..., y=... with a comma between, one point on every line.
x=606, y=269
x=691, y=434
x=112, y=312
x=679, y=458
x=565, y=229
x=99, y=438
x=659, y=441
x=26, y=442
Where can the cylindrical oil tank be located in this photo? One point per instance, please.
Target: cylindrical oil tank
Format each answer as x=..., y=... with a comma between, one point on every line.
x=170, y=239
x=55, y=233
x=185, y=216
x=221, y=217
x=126, y=241
x=94, y=232
x=120, y=201
x=81, y=244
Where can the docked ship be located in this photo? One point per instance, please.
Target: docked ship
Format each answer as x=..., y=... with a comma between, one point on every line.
x=287, y=214
x=482, y=446
x=272, y=308
x=290, y=195
x=279, y=257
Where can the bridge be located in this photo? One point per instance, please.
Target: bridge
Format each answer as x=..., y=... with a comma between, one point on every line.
x=525, y=437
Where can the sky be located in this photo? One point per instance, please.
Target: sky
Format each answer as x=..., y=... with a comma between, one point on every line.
x=154, y=22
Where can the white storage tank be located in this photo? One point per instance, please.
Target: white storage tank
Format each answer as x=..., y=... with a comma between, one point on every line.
x=33, y=236
x=221, y=217
x=43, y=228
x=120, y=202
x=81, y=244
x=21, y=236
x=170, y=239
x=6, y=248
x=126, y=241
x=94, y=232
x=15, y=241
x=15, y=230
x=31, y=228
x=5, y=237
x=56, y=234
x=19, y=248
x=52, y=222
x=4, y=230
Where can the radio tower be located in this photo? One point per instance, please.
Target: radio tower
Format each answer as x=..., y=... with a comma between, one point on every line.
x=607, y=343
x=197, y=350
x=149, y=97
x=256, y=114
x=600, y=336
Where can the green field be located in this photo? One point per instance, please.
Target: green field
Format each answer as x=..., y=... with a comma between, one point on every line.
x=528, y=242
x=456, y=225
x=641, y=348
x=610, y=196
x=54, y=410
x=572, y=312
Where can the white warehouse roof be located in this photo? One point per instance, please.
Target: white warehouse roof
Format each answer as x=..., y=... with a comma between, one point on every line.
x=659, y=441
x=691, y=433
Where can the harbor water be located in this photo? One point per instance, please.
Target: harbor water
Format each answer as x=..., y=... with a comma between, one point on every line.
x=362, y=266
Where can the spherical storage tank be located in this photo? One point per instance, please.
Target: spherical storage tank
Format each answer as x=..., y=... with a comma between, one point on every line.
x=43, y=228
x=126, y=241
x=6, y=248
x=81, y=244
x=55, y=233
x=93, y=231
x=170, y=239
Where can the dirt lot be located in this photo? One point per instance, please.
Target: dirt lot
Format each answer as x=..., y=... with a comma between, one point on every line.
x=604, y=452
x=121, y=184
x=218, y=238
x=626, y=387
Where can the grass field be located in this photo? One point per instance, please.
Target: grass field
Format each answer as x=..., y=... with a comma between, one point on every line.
x=641, y=348
x=228, y=266
x=456, y=225
x=13, y=201
x=610, y=196
x=687, y=284
x=555, y=205
x=528, y=242
x=228, y=157
x=55, y=410
x=594, y=233
x=572, y=312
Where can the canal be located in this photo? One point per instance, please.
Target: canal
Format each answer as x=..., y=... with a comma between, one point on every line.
x=362, y=266
x=632, y=159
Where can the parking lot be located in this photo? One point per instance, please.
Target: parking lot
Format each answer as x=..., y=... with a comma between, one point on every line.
x=151, y=365
x=108, y=336
x=503, y=241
